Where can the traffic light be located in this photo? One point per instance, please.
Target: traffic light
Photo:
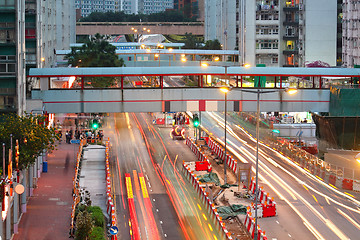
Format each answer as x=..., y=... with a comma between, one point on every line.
x=196, y=121
x=95, y=124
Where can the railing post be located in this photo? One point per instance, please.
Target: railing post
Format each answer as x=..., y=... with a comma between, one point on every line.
x=280, y=82
x=161, y=82
x=237, y=81
x=320, y=83
x=241, y=81
x=122, y=82
x=275, y=82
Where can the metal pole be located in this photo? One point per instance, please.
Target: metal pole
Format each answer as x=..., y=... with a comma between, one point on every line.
x=225, y=139
x=3, y=172
x=257, y=160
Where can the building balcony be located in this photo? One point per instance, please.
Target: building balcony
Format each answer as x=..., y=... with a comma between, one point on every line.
x=290, y=51
x=266, y=7
x=291, y=65
x=291, y=23
x=291, y=8
x=291, y=37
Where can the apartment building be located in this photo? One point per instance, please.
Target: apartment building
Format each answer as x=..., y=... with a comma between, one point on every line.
x=351, y=33
x=128, y=6
x=30, y=33
x=286, y=33
x=191, y=8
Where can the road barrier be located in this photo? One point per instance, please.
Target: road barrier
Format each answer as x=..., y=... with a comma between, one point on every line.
x=109, y=202
x=220, y=152
x=204, y=163
x=249, y=224
x=216, y=219
x=267, y=204
x=76, y=187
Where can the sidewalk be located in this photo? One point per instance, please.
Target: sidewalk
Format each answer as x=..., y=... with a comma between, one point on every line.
x=49, y=209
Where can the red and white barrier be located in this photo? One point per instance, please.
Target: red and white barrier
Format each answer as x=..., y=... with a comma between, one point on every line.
x=207, y=202
x=220, y=152
x=110, y=205
x=200, y=155
x=250, y=227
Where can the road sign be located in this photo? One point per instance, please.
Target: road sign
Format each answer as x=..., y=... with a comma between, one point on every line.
x=113, y=230
x=77, y=141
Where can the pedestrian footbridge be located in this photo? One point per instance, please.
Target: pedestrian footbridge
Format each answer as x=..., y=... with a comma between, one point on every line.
x=169, y=98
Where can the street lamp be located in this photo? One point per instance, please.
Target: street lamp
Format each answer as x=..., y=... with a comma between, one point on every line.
x=290, y=91
x=225, y=90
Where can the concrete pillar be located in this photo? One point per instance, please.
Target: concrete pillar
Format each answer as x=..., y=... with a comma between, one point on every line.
x=8, y=222
x=44, y=83
x=31, y=180
x=1, y=229
x=23, y=196
x=16, y=212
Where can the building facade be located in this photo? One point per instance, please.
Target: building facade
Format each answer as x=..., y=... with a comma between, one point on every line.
x=275, y=32
x=128, y=6
x=88, y=6
x=30, y=33
x=351, y=33
x=191, y=8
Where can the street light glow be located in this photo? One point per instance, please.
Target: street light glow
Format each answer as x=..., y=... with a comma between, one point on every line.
x=216, y=59
x=170, y=49
x=225, y=89
x=183, y=59
x=247, y=65
x=204, y=64
x=291, y=91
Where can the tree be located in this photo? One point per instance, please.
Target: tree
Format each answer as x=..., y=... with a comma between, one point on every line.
x=84, y=225
x=191, y=42
x=212, y=45
x=319, y=64
x=96, y=52
x=32, y=135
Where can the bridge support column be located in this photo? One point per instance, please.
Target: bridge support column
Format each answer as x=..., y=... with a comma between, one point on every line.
x=44, y=83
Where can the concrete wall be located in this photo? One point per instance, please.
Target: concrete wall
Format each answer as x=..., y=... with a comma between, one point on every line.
x=321, y=31
x=125, y=28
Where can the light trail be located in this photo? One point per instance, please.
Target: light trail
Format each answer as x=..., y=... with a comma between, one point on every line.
x=292, y=192
x=134, y=222
x=148, y=207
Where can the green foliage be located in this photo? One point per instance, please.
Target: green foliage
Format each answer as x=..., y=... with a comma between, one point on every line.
x=84, y=225
x=191, y=42
x=97, y=233
x=96, y=52
x=212, y=45
x=97, y=216
x=32, y=135
x=166, y=16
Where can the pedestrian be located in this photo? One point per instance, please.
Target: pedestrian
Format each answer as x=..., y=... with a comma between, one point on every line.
x=67, y=137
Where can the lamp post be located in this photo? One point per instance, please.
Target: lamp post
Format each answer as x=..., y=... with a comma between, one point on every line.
x=258, y=92
x=225, y=90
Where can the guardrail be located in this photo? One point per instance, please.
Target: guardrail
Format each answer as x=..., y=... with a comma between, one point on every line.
x=76, y=186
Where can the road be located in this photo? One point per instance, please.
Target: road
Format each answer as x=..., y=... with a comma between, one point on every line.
x=146, y=156
x=307, y=207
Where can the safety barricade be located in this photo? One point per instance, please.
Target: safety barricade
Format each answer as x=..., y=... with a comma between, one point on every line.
x=220, y=225
x=249, y=225
x=332, y=180
x=356, y=186
x=347, y=184
x=111, y=210
x=220, y=152
x=268, y=205
x=204, y=163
